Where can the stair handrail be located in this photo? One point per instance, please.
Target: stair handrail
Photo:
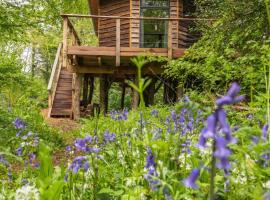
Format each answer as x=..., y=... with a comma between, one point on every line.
x=54, y=77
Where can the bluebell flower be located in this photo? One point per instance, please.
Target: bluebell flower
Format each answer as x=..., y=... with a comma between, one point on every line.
x=18, y=123
x=119, y=116
x=68, y=148
x=223, y=163
x=154, y=113
x=93, y=149
x=150, y=159
x=186, y=99
x=265, y=132
x=167, y=194
x=66, y=177
x=202, y=139
x=211, y=126
x=32, y=157
x=190, y=182
x=19, y=151
x=80, y=144
x=255, y=139
x=221, y=148
x=109, y=137
x=19, y=133
x=79, y=163
x=4, y=161
x=151, y=176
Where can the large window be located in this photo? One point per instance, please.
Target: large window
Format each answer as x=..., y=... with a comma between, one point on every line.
x=154, y=32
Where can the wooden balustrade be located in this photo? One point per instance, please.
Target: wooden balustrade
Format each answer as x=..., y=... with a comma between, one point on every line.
x=56, y=69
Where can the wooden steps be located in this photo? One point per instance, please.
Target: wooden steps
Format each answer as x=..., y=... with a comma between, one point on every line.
x=62, y=103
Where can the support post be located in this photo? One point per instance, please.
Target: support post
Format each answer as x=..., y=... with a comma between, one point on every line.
x=123, y=96
x=151, y=92
x=104, y=93
x=170, y=39
x=65, y=42
x=135, y=96
x=76, y=93
x=85, y=89
x=91, y=90
x=118, y=42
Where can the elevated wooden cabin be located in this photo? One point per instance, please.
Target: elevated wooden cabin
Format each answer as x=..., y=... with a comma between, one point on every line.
x=123, y=29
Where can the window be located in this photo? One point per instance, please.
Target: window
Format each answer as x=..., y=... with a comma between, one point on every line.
x=154, y=32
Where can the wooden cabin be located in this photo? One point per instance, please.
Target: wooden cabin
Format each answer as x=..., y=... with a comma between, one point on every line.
x=124, y=29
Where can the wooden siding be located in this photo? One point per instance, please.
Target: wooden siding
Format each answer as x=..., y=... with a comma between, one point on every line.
x=107, y=27
x=174, y=13
x=135, y=24
x=186, y=36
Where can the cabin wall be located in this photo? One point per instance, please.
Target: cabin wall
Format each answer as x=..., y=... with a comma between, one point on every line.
x=186, y=37
x=107, y=27
x=175, y=8
x=182, y=36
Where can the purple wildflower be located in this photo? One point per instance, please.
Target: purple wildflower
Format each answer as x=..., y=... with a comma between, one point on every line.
x=202, y=139
x=79, y=163
x=68, y=148
x=66, y=177
x=80, y=144
x=154, y=113
x=211, y=126
x=152, y=175
x=231, y=96
x=18, y=123
x=265, y=132
x=190, y=182
x=3, y=160
x=19, y=151
x=19, y=133
x=255, y=139
x=109, y=137
x=221, y=148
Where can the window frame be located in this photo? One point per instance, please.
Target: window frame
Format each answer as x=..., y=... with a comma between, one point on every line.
x=143, y=7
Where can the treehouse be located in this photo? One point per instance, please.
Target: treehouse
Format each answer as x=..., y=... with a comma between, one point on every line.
x=118, y=31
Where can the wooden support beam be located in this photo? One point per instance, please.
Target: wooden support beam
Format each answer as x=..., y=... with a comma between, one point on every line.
x=170, y=51
x=123, y=96
x=104, y=94
x=151, y=92
x=118, y=42
x=135, y=96
x=91, y=90
x=65, y=42
x=85, y=89
x=76, y=93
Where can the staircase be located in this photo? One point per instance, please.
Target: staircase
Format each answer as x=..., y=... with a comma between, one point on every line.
x=60, y=89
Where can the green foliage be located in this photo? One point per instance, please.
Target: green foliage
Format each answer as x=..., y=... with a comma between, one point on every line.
x=230, y=49
x=50, y=179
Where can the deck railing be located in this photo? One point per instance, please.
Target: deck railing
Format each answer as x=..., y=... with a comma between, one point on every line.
x=112, y=31
x=56, y=69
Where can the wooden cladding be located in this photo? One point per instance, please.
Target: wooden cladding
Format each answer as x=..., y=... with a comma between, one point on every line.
x=107, y=27
x=182, y=33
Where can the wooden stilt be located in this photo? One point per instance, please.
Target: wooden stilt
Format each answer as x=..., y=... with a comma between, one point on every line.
x=135, y=96
x=103, y=91
x=76, y=93
x=170, y=89
x=123, y=96
x=85, y=89
x=91, y=90
x=151, y=92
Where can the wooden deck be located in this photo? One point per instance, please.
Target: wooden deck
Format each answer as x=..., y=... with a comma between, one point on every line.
x=103, y=60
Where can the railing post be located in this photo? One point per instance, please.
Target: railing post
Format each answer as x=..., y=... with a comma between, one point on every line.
x=170, y=39
x=118, y=42
x=65, y=42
